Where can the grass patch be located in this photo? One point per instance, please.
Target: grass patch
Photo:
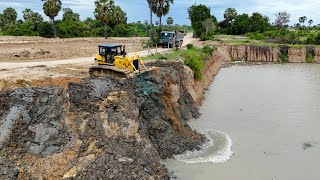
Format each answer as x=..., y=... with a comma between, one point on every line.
x=247, y=42
x=193, y=57
x=283, y=56
x=310, y=54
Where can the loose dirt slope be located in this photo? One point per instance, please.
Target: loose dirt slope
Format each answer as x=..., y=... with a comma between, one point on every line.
x=99, y=128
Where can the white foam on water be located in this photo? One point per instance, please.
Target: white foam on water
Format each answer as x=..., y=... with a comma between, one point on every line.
x=216, y=150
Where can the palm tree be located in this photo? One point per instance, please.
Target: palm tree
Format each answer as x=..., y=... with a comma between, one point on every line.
x=104, y=12
x=27, y=14
x=151, y=4
x=302, y=19
x=310, y=22
x=33, y=17
x=9, y=15
x=170, y=21
x=119, y=15
x=162, y=8
x=51, y=9
x=68, y=14
x=2, y=23
x=229, y=15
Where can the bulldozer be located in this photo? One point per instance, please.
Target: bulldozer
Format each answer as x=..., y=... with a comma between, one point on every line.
x=113, y=60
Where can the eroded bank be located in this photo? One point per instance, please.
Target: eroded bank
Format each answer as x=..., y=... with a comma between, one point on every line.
x=103, y=127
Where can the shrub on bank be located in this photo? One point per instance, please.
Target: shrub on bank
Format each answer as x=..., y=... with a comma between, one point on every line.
x=194, y=59
x=208, y=50
x=284, y=51
x=190, y=46
x=310, y=54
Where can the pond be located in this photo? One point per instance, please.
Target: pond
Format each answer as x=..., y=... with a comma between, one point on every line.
x=263, y=122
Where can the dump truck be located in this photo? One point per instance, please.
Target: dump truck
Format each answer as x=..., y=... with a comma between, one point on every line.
x=171, y=39
x=113, y=60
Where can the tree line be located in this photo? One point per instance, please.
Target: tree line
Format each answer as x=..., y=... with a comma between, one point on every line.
x=256, y=26
x=110, y=20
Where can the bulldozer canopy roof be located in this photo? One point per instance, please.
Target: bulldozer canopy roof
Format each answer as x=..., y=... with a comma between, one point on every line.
x=109, y=45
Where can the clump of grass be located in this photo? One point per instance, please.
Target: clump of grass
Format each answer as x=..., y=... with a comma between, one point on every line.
x=284, y=51
x=190, y=46
x=208, y=50
x=310, y=54
x=194, y=59
x=162, y=57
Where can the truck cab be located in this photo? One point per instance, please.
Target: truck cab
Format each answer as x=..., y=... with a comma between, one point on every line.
x=171, y=38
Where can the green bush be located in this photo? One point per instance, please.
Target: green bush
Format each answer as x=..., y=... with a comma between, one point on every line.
x=190, y=46
x=69, y=29
x=283, y=56
x=204, y=37
x=193, y=59
x=310, y=58
x=45, y=30
x=310, y=54
x=208, y=50
x=259, y=36
x=162, y=57
x=19, y=29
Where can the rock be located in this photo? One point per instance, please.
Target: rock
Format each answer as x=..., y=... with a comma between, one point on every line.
x=307, y=145
x=45, y=51
x=25, y=53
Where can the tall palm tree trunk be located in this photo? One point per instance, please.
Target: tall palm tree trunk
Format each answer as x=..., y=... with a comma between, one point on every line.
x=54, y=28
x=105, y=31
x=160, y=27
x=151, y=29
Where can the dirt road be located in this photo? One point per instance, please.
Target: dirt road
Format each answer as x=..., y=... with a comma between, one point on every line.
x=27, y=73
x=75, y=61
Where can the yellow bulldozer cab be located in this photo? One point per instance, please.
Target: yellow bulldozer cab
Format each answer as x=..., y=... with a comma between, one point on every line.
x=113, y=57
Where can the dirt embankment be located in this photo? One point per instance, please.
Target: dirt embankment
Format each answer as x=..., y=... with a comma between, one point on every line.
x=251, y=53
x=103, y=127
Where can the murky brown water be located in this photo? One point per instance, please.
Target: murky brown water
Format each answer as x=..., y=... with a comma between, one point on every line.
x=270, y=114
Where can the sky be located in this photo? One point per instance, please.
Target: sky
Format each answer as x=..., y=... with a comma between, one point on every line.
x=137, y=10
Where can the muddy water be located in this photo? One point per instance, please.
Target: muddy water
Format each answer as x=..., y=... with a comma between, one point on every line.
x=263, y=123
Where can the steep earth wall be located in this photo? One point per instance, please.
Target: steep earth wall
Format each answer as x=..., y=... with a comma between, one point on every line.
x=251, y=53
x=317, y=55
x=103, y=128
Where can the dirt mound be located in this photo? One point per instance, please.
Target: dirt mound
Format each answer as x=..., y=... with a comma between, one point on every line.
x=60, y=81
x=9, y=84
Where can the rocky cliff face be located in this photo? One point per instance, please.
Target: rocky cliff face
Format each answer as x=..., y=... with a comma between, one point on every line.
x=317, y=55
x=297, y=55
x=102, y=127
x=253, y=53
x=250, y=53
